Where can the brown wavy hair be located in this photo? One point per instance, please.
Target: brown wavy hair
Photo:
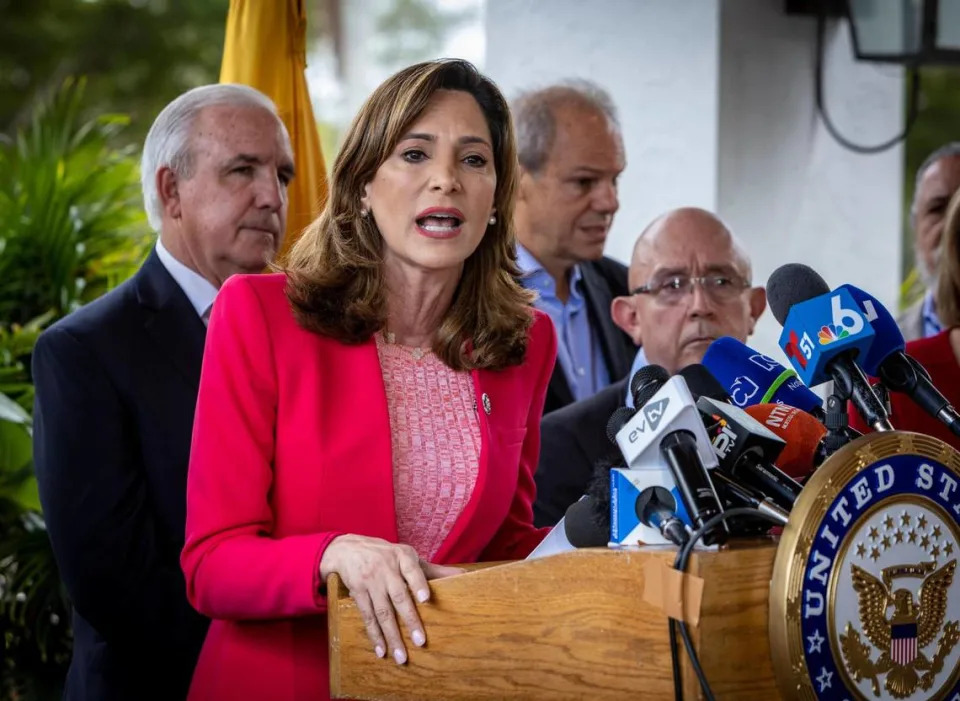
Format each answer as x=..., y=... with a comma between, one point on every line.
x=335, y=279
x=948, y=269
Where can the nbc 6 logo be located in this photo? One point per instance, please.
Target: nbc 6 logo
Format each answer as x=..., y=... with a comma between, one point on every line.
x=841, y=317
x=869, y=310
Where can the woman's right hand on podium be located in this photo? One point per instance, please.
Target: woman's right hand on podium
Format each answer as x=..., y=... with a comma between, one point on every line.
x=381, y=577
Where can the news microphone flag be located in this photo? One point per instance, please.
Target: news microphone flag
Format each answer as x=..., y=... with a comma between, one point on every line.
x=626, y=528
x=821, y=328
x=672, y=408
x=753, y=378
x=887, y=335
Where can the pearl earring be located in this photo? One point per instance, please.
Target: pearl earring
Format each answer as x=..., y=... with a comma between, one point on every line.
x=364, y=212
x=492, y=220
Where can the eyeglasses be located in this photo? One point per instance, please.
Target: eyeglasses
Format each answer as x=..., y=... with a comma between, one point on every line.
x=673, y=289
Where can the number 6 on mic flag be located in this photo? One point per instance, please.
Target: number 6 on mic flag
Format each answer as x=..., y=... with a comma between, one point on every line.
x=819, y=329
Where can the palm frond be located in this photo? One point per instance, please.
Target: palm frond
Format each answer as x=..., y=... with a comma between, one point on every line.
x=69, y=202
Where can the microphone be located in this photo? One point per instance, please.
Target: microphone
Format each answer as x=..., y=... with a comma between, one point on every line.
x=802, y=302
x=887, y=337
x=747, y=450
x=587, y=521
x=805, y=448
x=645, y=383
x=583, y=524
x=679, y=451
x=736, y=494
x=668, y=428
x=656, y=508
x=702, y=383
x=732, y=494
x=919, y=367
x=897, y=371
x=670, y=408
x=753, y=378
x=618, y=420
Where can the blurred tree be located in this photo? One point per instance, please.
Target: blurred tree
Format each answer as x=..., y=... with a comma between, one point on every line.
x=413, y=30
x=395, y=34
x=939, y=120
x=137, y=54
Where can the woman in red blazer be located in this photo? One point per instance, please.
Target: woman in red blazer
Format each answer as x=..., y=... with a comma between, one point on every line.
x=374, y=409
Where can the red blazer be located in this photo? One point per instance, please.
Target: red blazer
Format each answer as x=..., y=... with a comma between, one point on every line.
x=291, y=447
x=936, y=355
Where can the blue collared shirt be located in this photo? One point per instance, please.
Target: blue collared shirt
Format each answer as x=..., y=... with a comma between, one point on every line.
x=197, y=288
x=639, y=361
x=931, y=322
x=578, y=345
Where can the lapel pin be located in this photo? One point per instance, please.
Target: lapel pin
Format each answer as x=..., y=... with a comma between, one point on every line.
x=486, y=403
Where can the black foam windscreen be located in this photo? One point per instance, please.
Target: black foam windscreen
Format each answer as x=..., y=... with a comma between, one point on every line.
x=598, y=488
x=791, y=284
x=641, y=398
x=581, y=527
x=617, y=421
x=645, y=383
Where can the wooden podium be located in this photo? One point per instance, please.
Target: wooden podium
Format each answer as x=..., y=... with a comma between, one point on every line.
x=588, y=624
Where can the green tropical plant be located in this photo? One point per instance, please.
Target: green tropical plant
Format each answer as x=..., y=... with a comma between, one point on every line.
x=33, y=605
x=71, y=227
x=69, y=204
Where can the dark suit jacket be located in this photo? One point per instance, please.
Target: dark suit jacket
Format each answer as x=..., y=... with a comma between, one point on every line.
x=116, y=385
x=603, y=280
x=572, y=440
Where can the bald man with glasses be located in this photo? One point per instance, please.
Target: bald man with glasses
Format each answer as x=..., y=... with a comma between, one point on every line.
x=690, y=283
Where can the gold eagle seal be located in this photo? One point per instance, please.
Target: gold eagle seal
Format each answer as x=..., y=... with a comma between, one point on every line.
x=901, y=636
x=864, y=598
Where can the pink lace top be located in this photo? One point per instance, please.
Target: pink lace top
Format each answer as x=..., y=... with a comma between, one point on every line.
x=435, y=436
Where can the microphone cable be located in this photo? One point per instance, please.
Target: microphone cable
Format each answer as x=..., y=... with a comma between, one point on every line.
x=680, y=564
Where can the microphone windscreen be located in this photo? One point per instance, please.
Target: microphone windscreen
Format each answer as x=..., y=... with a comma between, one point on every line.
x=753, y=378
x=618, y=420
x=791, y=284
x=599, y=485
x=646, y=382
x=647, y=391
x=580, y=525
x=702, y=383
x=801, y=432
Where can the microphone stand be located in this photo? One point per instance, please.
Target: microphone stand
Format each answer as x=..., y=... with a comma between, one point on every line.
x=836, y=421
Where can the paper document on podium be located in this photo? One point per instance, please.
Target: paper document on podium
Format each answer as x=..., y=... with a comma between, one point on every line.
x=555, y=543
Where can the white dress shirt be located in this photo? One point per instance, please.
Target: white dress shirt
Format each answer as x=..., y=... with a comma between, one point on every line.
x=197, y=288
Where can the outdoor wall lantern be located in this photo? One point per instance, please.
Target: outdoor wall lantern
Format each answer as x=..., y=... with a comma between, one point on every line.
x=910, y=32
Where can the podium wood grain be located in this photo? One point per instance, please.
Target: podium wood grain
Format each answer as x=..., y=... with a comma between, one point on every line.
x=570, y=626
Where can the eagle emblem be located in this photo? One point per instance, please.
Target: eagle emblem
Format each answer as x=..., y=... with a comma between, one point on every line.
x=901, y=635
